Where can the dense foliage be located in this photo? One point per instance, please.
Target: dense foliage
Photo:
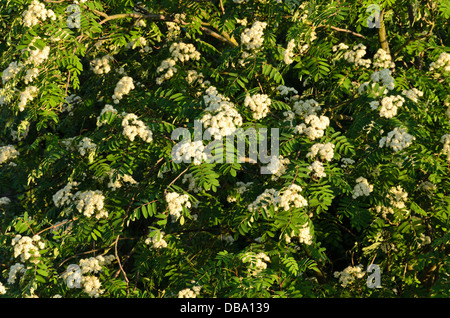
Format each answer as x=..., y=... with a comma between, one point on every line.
x=98, y=199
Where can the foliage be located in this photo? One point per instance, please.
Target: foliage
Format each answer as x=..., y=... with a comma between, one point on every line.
x=117, y=233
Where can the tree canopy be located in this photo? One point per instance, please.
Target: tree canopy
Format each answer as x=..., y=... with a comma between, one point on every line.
x=99, y=197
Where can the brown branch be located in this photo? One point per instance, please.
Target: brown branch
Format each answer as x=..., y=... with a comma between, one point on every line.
x=382, y=34
x=341, y=30
x=159, y=17
x=173, y=181
x=118, y=260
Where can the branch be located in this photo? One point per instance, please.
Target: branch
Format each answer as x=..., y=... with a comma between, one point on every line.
x=341, y=30
x=159, y=17
x=382, y=34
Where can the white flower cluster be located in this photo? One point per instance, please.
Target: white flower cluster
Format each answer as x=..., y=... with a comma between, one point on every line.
x=326, y=151
x=354, y=55
x=316, y=128
x=253, y=37
x=30, y=75
x=36, y=11
x=2, y=289
x=390, y=105
x=123, y=87
x=81, y=275
x=257, y=262
x=346, y=162
x=14, y=270
x=27, y=248
x=7, y=153
x=413, y=94
x=384, y=77
x=277, y=166
x=157, y=240
x=259, y=104
x=90, y=202
x=176, y=202
x=362, y=188
x=86, y=202
x=189, y=293
x=398, y=197
x=318, y=169
x=445, y=139
x=285, y=90
x=11, y=71
x=186, y=150
x=264, y=200
x=304, y=235
x=291, y=195
x=101, y=65
x=279, y=199
x=28, y=94
x=133, y=127
x=180, y=52
x=426, y=186
x=288, y=54
x=382, y=59
x=118, y=182
x=36, y=55
x=397, y=139
x=350, y=274
x=193, y=76
x=442, y=64
x=86, y=146
x=64, y=195
x=4, y=201
x=307, y=107
x=222, y=119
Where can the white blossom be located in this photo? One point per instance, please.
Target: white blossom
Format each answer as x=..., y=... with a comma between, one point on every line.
x=133, y=127
x=318, y=169
x=288, y=54
x=349, y=275
x=316, y=128
x=14, y=270
x=442, y=64
x=176, y=202
x=259, y=104
x=157, y=240
x=382, y=60
x=398, y=139
x=101, y=65
x=221, y=117
x=390, y=105
x=362, y=188
x=7, y=153
x=36, y=11
x=27, y=248
x=252, y=37
x=307, y=107
x=123, y=87
x=325, y=151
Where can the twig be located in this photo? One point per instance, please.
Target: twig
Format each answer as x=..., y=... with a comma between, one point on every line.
x=173, y=181
x=159, y=17
x=118, y=260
